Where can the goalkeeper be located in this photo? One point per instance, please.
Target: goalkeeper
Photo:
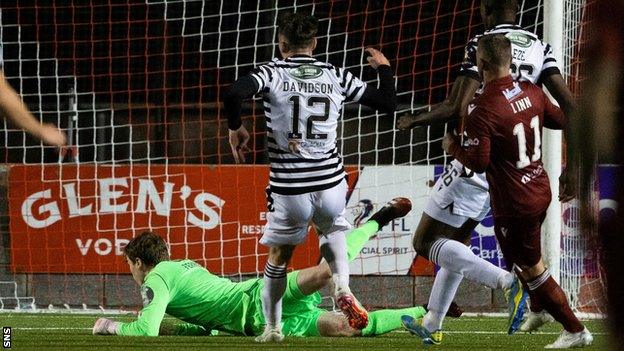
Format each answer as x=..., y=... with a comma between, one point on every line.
x=206, y=302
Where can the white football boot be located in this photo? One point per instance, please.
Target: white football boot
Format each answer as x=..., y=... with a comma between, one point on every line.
x=568, y=340
x=535, y=320
x=271, y=334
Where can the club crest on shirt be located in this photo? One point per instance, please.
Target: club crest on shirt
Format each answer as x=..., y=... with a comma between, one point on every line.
x=147, y=295
x=510, y=94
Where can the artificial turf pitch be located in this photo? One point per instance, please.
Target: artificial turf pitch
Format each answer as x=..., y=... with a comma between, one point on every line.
x=73, y=332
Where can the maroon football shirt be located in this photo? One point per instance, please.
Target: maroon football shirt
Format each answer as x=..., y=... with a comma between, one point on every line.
x=503, y=138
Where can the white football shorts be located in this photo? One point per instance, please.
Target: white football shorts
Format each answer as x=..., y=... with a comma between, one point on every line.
x=290, y=215
x=458, y=195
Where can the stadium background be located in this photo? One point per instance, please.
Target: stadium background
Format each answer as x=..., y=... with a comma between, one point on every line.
x=139, y=82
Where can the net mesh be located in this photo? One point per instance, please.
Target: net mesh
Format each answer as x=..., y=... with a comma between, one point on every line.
x=581, y=271
x=137, y=86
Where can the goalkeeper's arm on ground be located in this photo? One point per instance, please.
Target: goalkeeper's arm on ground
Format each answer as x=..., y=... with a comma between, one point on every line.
x=155, y=295
x=185, y=329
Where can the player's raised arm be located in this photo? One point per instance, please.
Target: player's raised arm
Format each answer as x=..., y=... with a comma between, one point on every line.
x=554, y=118
x=456, y=104
x=553, y=81
x=15, y=111
x=384, y=98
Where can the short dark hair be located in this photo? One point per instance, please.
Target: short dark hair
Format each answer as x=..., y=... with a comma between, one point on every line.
x=298, y=28
x=149, y=247
x=501, y=8
x=496, y=49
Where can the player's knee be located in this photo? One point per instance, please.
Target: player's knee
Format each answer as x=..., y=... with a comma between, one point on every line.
x=421, y=242
x=280, y=255
x=336, y=325
x=464, y=233
x=345, y=330
x=531, y=270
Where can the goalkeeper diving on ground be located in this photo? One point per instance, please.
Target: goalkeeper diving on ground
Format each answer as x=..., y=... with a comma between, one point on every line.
x=207, y=303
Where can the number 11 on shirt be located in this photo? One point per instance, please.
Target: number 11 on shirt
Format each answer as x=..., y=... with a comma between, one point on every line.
x=518, y=131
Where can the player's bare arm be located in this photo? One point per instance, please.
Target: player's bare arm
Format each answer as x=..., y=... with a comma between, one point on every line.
x=562, y=94
x=15, y=111
x=455, y=106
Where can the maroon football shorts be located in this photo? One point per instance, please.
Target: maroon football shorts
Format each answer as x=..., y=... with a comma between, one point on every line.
x=520, y=239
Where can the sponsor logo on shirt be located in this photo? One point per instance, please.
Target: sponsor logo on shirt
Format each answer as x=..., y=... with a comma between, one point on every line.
x=470, y=142
x=520, y=39
x=527, y=177
x=306, y=72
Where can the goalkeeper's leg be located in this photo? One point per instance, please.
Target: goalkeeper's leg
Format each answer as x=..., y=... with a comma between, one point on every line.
x=379, y=322
x=314, y=278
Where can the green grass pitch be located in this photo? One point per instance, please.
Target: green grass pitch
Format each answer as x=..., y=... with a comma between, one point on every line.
x=73, y=332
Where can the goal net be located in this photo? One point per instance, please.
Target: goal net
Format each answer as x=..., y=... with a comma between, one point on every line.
x=137, y=86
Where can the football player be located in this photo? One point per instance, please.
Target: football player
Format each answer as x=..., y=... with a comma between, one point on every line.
x=460, y=198
x=503, y=138
x=207, y=303
x=302, y=100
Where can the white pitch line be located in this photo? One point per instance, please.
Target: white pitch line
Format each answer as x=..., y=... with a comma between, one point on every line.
x=503, y=332
x=398, y=331
x=50, y=328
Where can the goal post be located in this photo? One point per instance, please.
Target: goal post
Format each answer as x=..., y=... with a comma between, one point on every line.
x=552, y=146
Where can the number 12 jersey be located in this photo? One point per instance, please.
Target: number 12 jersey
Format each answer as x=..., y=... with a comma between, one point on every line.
x=302, y=100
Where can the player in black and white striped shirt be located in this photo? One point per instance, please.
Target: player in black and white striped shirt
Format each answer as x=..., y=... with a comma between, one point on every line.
x=302, y=100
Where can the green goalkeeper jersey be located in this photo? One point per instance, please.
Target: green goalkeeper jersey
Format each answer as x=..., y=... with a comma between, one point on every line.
x=187, y=291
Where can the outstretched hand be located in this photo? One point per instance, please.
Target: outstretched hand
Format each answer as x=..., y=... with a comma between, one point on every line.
x=238, y=143
x=51, y=135
x=410, y=120
x=376, y=58
x=449, y=139
x=405, y=121
x=105, y=326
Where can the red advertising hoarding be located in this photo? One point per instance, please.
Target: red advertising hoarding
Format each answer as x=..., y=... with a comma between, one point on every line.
x=77, y=218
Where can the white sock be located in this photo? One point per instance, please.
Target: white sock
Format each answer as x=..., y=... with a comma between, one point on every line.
x=334, y=250
x=272, y=292
x=458, y=258
x=442, y=293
